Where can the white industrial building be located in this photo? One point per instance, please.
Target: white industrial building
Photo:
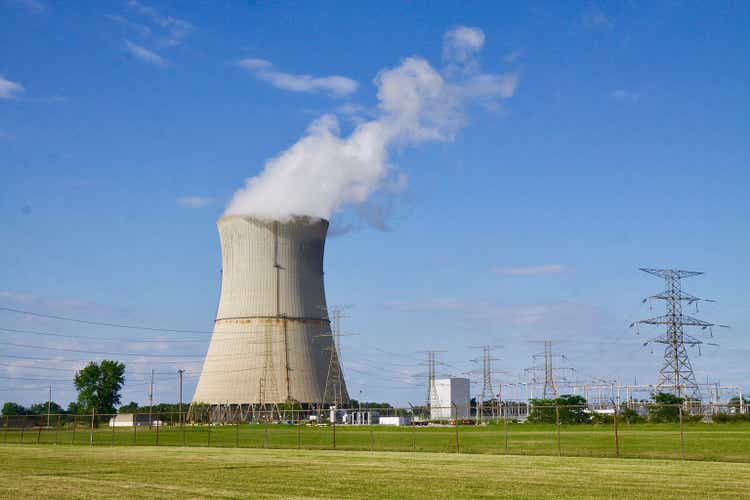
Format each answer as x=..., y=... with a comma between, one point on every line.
x=449, y=399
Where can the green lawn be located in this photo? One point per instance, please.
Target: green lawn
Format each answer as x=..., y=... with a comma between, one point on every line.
x=717, y=442
x=139, y=471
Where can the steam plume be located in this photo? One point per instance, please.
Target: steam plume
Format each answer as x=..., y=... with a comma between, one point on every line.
x=325, y=171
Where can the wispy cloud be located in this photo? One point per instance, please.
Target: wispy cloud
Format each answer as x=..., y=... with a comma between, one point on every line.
x=513, y=56
x=144, y=54
x=194, y=201
x=527, y=320
x=174, y=30
x=73, y=307
x=140, y=29
x=9, y=89
x=32, y=6
x=597, y=19
x=336, y=85
x=532, y=270
x=625, y=95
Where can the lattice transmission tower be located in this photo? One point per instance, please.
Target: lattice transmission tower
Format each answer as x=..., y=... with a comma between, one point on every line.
x=432, y=362
x=550, y=383
x=676, y=374
x=335, y=389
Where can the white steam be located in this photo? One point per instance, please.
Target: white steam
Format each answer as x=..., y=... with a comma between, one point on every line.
x=325, y=171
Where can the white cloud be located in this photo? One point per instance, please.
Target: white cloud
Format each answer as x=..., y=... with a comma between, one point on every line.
x=31, y=5
x=460, y=44
x=325, y=170
x=174, y=30
x=625, y=95
x=8, y=89
x=597, y=19
x=531, y=270
x=194, y=201
x=335, y=85
x=145, y=54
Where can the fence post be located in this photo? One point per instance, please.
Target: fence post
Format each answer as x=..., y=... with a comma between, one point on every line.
x=682, y=437
x=135, y=426
x=372, y=439
x=209, y=427
x=505, y=429
x=334, y=430
x=7, y=424
x=57, y=430
x=158, y=424
x=237, y=432
x=91, y=430
x=39, y=433
x=299, y=435
x=617, y=439
x=113, y=422
x=182, y=427
x=75, y=421
x=23, y=428
x=413, y=437
x=455, y=420
x=557, y=419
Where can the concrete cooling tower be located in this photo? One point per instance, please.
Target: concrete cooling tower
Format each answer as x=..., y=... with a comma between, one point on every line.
x=272, y=339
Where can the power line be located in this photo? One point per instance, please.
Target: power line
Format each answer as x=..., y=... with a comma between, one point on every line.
x=102, y=353
x=100, y=323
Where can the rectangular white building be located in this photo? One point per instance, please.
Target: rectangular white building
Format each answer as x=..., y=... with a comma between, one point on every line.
x=450, y=399
x=403, y=420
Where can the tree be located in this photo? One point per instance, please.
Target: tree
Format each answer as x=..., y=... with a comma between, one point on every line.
x=666, y=408
x=131, y=407
x=99, y=386
x=44, y=408
x=572, y=410
x=11, y=408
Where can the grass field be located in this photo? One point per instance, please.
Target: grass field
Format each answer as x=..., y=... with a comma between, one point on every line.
x=716, y=442
x=150, y=472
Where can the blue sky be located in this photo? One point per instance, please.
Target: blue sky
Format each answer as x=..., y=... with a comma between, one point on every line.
x=125, y=129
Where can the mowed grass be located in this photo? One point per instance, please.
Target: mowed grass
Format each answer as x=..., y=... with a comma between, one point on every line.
x=716, y=442
x=151, y=472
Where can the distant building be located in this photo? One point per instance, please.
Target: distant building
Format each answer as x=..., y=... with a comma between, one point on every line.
x=127, y=420
x=404, y=420
x=451, y=399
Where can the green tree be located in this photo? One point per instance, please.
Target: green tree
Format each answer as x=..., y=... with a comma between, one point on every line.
x=131, y=407
x=99, y=386
x=11, y=408
x=666, y=408
x=44, y=408
x=572, y=410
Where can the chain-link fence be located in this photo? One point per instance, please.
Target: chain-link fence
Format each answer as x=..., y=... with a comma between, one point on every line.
x=638, y=430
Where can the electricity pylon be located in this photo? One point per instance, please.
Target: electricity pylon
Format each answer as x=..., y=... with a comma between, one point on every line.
x=676, y=374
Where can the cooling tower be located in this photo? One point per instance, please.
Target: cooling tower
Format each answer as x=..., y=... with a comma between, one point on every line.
x=272, y=339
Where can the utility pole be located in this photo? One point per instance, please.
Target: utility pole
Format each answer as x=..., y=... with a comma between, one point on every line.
x=150, y=398
x=179, y=374
x=676, y=374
